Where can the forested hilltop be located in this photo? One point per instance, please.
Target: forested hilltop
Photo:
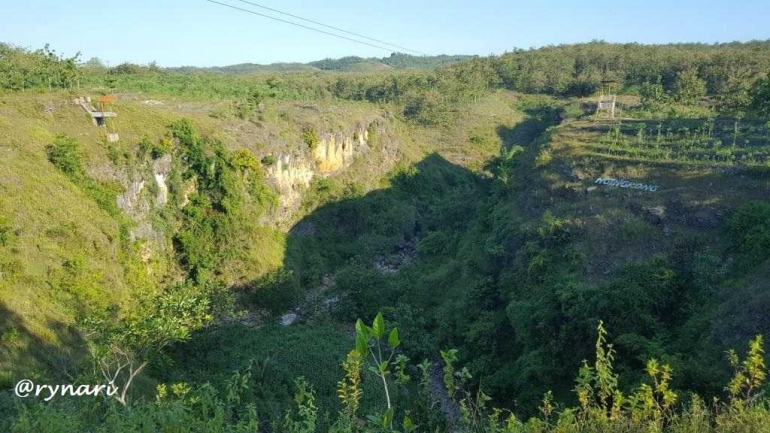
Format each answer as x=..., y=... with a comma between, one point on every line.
x=467, y=245
x=347, y=64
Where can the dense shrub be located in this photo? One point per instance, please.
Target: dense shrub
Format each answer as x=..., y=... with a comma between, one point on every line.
x=65, y=154
x=749, y=230
x=310, y=137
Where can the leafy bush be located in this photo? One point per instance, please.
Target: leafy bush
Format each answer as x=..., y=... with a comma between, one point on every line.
x=428, y=108
x=268, y=160
x=760, y=96
x=155, y=149
x=310, y=137
x=243, y=159
x=653, y=95
x=688, y=87
x=362, y=292
x=65, y=154
x=543, y=158
x=749, y=231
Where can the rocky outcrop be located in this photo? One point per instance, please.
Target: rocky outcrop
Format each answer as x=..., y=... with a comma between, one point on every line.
x=161, y=168
x=336, y=151
x=292, y=174
x=131, y=201
x=138, y=205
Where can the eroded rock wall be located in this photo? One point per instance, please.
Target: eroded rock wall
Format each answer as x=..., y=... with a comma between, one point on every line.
x=292, y=173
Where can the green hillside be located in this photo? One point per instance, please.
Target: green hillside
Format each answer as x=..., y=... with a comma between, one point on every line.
x=556, y=269
x=351, y=64
x=245, y=69
x=395, y=61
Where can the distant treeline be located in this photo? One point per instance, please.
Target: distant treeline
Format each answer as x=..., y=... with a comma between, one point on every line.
x=683, y=71
x=579, y=69
x=23, y=69
x=395, y=61
x=351, y=63
x=733, y=74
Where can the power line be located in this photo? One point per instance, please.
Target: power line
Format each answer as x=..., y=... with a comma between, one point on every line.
x=299, y=25
x=331, y=27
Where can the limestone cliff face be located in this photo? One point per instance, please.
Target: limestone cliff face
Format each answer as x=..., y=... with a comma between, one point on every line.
x=291, y=174
x=138, y=201
x=336, y=151
x=161, y=168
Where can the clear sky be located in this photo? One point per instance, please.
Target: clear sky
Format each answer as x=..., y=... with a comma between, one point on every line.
x=196, y=32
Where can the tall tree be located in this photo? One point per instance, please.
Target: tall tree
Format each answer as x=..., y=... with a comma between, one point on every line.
x=688, y=88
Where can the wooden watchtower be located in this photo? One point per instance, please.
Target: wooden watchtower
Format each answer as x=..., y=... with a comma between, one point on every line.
x=607, y=100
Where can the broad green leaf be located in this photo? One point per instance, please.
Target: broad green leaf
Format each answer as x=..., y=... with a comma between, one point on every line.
x=378, y=326
x=361, y=328
x=384, y=366
x=408, y=424
x=393, y=340
x=362, y=345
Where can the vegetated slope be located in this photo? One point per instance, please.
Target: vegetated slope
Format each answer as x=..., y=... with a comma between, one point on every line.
x=395, y=61
x=372, y=221
x=87, y=223
x=512, y=258
x=359, y=64
x=516, y=270
x=78, y=241
x=246, y=69
x=60, y=244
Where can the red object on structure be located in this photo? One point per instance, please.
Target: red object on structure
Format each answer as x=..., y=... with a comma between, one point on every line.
x=105, y=99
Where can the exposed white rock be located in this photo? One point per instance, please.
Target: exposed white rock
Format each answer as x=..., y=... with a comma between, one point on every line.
x=288, y=318
x=335, y=151
x=160, y=171
x=129, y=200
x=162, y=197
x=291, y=175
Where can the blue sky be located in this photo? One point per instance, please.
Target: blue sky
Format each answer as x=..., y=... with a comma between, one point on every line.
x=195, y=32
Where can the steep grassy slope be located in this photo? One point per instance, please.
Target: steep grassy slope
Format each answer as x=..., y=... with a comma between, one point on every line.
x=516, y=270
x=694, y=195
x=658, y=266
x=490, y=234
x=60, y=248
x=62, y=254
